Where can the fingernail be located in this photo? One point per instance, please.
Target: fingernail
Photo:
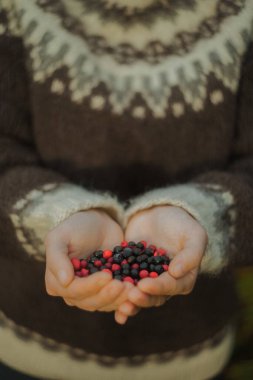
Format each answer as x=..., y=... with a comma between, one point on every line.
x=177, y=270
x=63, y=277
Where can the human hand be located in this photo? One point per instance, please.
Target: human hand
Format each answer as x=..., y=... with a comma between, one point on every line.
x=78, y=236
x=183, y=237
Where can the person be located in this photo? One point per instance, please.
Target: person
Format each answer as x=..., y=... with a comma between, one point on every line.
x=124, y=120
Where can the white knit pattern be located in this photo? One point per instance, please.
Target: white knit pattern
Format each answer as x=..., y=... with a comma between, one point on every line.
x=43, y=209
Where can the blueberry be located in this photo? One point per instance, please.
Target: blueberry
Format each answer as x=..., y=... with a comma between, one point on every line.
x=150, y=259
x=94, y=270
x=125, y=266
x=140, y=245
x=103, y=267
x=103, y=260
x=149, y=251
x=131, y=259
x=90, y=266
x=131, y=244
x=136, y=251
x=117, y=249
x=127, y=252
x=134, y=273
x=159, y=269
x=118, y=258
x=118, y=277
x=152, y=267
x=117, y=272
x=126, y=272
x=141, y=258
x=158, y=259
x=143, y=265
x=98, y=253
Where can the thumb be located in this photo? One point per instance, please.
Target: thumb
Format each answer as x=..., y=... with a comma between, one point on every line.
x=186, y=260
x=58, y=261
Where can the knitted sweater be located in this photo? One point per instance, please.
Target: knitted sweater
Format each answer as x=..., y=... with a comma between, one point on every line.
x=123, y=105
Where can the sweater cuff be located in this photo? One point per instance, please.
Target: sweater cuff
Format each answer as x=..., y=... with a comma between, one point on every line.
x=210, y=204
x=43, y=209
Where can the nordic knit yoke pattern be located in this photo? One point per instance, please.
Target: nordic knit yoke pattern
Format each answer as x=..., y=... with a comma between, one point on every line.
x=123, y=105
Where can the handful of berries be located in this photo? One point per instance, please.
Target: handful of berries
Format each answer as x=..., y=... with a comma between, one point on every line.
x=128, y=261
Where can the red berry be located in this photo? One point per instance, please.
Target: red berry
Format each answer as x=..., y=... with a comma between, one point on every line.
x=76, y=263
x=144, y=243
x=108, y=265
x=165, y=266
x=107, y=253
x=78, y=273
x=129, y=279
x=161, y=251
x=153, y=274
x=115, y=267
x=156, y=253
x=84, y=272
x=152, y=246
x=84, y=263
x=124, y=243
x=135, y=266
x=110, y=260
x=135, y=281
x=106, y=270
x=143, y=273
x=124, y=262
x=97, y=263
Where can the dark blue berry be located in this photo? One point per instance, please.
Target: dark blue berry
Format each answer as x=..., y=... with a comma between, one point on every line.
x=118, y=277
x=131, y=244
x=125, y=266
x=149, y=251
x=117, y=249
x=126, y=272
x=127, y=252
x=98, y=253
x=117, y=272
x=141, y=258
x=134, y=273
x=143, y=265
x=140, y=245
x=94, y=270
x=159, y=269
x=131, y=259
x=118, y=258
x=136, y=251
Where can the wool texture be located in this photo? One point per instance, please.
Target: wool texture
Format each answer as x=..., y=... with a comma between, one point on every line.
x=124, y=105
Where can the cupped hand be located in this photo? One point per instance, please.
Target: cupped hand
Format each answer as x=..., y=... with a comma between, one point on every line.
x=78, y=236
x=185, y=240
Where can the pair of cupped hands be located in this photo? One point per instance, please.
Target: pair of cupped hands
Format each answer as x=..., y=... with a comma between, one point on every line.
x=169, y=227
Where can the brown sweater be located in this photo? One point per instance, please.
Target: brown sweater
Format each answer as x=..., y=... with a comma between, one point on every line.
x=123, y=105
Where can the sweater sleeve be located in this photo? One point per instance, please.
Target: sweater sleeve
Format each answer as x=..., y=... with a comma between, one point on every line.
x=34, y=198
x=221, y=200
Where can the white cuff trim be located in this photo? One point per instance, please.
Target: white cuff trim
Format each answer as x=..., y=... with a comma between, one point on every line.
x=43, y=209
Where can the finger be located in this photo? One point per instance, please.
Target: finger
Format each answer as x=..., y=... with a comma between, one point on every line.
x=58, y=260
x=105, y=299
x=80, y=288
x=167, y=285
x=68, y=302
x=141, y=299
x=129, y=309
x=120, y=317
x=187, y=259
x=50, y=283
